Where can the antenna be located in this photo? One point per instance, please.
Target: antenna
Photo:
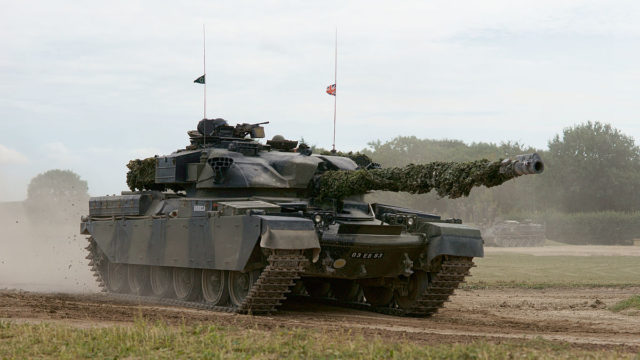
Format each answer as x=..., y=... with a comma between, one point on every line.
x=204, y=68
x=204, y=71
x=335, y=97
x=203, y=80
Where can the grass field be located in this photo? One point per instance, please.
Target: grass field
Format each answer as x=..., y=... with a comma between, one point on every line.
x=530, y=271
x=146, y=340
x=632, y=303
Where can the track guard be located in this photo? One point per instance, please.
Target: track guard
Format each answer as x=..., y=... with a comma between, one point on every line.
x=289, y=233
x=453, y=239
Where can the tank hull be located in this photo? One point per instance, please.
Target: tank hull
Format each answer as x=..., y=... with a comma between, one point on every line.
x=236, y=238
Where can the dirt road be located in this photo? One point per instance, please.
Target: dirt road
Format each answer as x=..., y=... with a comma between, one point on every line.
x=567, y=250
x=575, y=316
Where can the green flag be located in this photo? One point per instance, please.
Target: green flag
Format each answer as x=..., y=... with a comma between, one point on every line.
x=199, y=80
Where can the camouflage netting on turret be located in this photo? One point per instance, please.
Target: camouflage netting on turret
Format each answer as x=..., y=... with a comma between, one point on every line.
x=448, y=179
x=142, y=175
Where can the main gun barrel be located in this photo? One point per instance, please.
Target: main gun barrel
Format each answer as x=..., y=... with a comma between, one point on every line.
x=527, y=164
x=448, y=179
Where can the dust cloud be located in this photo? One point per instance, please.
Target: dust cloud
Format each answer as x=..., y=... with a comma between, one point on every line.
x=38, y=253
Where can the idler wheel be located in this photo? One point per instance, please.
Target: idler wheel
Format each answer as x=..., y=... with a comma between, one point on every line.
x=117, y=277
x=161, y=282
x=378, y=295
x=345, y=290
x=186, y=283
x=139, y=279
x=239, y=285
x=214, y=286
x=418, y=283
x=317, y=288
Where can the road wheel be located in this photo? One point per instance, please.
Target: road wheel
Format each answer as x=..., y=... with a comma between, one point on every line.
x=139, y=279
x=317, y=288
x=345, y=290
x=186, y=283
x=161, y=282
x=418, y=283
x=214, y=287
x=298, y=288
x=378, y=295
x=239, y=284
x=117, y=277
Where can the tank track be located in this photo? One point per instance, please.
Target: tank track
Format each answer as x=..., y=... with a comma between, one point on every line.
x=277, y=278
x=274, y=282
x=266, y=294
x=96, y=263
x=442, y=285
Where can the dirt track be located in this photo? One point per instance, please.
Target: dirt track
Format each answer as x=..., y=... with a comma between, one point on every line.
x=567, y=250
x=575, y=316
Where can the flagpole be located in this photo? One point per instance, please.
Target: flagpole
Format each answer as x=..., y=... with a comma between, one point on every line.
x=204, y=68
x=335, y=96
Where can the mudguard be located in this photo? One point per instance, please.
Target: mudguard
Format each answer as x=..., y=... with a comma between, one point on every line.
x=289, y=233
x=453, y=239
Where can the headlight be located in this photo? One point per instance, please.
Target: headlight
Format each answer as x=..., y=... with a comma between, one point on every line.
x=328, y=219
x=317, y=218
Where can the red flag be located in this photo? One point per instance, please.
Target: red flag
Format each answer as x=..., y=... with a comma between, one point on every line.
x=331, y=89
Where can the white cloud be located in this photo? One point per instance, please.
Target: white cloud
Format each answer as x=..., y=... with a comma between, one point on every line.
x=56, y=148
x=60, y=155
x=10, y=156
x=100, y=150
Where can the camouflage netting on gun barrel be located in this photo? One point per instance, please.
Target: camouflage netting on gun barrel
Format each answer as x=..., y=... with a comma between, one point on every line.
x=448, y=179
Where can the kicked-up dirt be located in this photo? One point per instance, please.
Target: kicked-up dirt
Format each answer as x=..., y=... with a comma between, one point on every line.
x=577, y=316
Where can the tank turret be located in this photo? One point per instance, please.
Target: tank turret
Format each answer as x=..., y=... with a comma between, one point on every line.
x=229, y=160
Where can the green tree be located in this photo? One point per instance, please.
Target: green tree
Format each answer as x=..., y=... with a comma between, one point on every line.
x=592, y=167
x=56, y=195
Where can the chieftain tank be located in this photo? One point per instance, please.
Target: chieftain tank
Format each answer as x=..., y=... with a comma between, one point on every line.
x=233, y=224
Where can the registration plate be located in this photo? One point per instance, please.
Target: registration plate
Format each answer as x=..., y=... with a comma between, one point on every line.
x=366, y=255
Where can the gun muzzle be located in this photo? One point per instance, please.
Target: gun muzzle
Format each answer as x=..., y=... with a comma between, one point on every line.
x=526, y=164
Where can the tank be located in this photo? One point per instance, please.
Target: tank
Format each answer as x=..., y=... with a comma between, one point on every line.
x=232, y=224
x=512, y=233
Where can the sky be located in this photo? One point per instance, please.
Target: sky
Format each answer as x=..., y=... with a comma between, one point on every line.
x=87, y=86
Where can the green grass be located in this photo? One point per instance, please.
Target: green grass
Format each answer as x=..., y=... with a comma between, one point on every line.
x=519, y=270
x=158, y=340
x=632, y=303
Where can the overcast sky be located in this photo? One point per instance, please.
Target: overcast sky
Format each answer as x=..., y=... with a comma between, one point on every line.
x=88, y=86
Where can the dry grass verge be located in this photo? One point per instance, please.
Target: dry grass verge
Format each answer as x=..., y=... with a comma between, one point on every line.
x=159, y=340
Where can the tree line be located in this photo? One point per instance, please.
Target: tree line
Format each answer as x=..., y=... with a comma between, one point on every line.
x=589, y=167
x=590, y=184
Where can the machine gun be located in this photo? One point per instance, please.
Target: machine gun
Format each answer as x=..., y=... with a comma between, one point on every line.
x=244, y=129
